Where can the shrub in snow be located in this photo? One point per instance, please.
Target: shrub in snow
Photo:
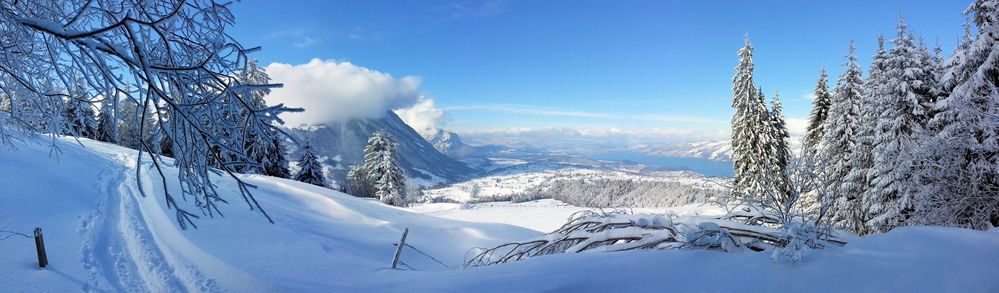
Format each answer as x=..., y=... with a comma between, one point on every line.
x=619, y=230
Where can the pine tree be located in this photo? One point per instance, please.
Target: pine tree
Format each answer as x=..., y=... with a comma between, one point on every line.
x=899, y=124
x=382, y=170
x=817, y=119
x=749, y=124
x=310, y=170
x=276, y=164
x=107, y=124
x=857, y=181
x=839, y=142
x=781, y=154
x=79, y=118
x=960, y=186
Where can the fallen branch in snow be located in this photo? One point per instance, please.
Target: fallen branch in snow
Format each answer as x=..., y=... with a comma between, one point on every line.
x=621, y=230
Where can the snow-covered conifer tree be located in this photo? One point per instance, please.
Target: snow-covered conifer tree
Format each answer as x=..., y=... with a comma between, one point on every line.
x=381, y=166
x=843, y=202
x=107, y=124
x=310, y=170
x=857, y=181
x=817, y=119
x=276, y=163
x=961, y=181
x=749, y=126
x=79, y=118
x=777, y=173
x=899, y=126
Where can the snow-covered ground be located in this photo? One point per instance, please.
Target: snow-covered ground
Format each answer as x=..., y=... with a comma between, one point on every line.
x=516, y=183
x=102, y=235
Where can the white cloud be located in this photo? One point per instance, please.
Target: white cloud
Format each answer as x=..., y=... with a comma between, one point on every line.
x=422, y=116
x=335, y=91
x=808, y=96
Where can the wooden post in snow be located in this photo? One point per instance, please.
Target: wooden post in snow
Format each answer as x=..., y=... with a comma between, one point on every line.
x=43, y=260
x=398, y=249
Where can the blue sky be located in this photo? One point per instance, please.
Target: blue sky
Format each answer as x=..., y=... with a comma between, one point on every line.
x=588, y=64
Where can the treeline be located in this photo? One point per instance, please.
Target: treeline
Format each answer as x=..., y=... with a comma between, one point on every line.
x=608, y=193
x=915, y=142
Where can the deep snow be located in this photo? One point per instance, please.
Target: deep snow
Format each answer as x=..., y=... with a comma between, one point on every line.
x=103, y=236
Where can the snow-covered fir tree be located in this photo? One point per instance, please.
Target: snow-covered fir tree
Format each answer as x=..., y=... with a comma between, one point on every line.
x=960, y=65
x=842, y=202
x=79, y=118
x=961, y=184
x=136, y=124
x=276, y=164
x=777, y=174
x=749, y=126
x=107, y=124
x=899, y=126
x=857, y=181
x=381, y=167
x=817, y=119
x=310, y=170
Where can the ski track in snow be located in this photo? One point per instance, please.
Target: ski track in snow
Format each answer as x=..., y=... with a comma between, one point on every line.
x=119, y=242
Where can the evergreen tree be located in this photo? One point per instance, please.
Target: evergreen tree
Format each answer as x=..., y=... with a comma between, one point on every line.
x=861, y=160
x=381, y=167
x=842, y=198
x=749, y=124
x=79, y=118
x=310, y=170
x=961, y=185
x=276, y=164
x=899, y=124
x=817, y=119
x=781, y=154
x=107, y=124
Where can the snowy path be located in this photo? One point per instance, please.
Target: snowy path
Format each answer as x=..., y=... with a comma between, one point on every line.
x=120, y=250
x=125, y=250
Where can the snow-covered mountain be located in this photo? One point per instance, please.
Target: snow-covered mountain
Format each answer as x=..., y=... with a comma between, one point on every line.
x=342, y=143
x=715, y=150
x=448, y=143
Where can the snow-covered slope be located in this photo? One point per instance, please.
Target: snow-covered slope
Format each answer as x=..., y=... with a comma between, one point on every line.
x=346, y=140
x=448, y=143
x=102, y=235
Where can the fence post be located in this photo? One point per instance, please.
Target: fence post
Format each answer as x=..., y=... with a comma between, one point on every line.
x=43, y=260
x=398, y=249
